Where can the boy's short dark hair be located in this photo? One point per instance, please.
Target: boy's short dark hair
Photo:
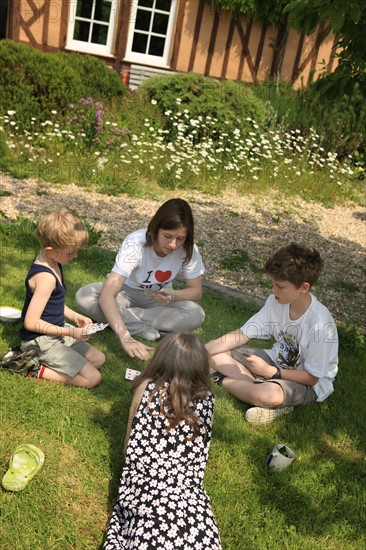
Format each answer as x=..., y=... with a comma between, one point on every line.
x=296, y=264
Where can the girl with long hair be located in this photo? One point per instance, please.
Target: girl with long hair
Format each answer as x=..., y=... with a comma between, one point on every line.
x=161, y=501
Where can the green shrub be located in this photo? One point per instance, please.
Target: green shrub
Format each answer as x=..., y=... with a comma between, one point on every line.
x=340, y=123
x=228, y=103
x=17, y=92
x=34, y=83
x=135, y=108
x=3, y=146
x=236, y=261
x=97, y=79
x=351, y=340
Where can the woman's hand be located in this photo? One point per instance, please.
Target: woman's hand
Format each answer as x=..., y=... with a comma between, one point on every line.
x=136, y=349
x=163, y=297
x=192, y=292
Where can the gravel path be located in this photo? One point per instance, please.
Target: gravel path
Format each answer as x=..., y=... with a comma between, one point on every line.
x=224, y=224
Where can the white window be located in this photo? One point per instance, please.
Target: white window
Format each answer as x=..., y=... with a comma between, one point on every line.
x=150, y=31
x=91, y=26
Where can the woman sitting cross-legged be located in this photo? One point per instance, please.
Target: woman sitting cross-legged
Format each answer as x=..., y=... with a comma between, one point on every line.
x=138, y=298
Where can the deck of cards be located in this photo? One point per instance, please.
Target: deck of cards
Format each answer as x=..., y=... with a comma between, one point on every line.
x=93, y=327
x=131, y=374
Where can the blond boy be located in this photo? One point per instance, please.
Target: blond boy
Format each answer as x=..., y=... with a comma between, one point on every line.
x=62, y=350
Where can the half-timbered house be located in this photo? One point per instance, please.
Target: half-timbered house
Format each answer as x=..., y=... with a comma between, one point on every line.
x=143, y=37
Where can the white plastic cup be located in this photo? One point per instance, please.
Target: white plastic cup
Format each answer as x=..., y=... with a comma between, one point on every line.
x=278, y=460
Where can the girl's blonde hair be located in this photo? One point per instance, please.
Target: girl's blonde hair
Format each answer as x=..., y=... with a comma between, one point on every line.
x=62, y=229
x=181, y=371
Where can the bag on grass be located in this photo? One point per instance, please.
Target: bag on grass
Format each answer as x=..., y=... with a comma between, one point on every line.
x=21, y=362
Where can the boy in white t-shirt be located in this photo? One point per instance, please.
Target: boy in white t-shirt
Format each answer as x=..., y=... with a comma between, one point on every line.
x=303, y=362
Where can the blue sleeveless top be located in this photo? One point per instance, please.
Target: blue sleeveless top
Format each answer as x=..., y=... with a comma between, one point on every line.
x=53, y=313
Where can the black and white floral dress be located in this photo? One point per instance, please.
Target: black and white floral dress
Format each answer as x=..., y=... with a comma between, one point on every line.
x=162, y=504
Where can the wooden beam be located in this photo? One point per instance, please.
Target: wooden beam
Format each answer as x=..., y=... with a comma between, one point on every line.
x=295, y=70
x=259, y=53
x=333, y=53
x=211, y=46
x=46, y=20
x=279, y=49
x=65, y=10
x=120, y=41
x=245, y=50
x=37, y=12
x=177, y=36
x=229, y=40
x=196, y=34
x=313, y=54
x=27, y=31
x=14, y=19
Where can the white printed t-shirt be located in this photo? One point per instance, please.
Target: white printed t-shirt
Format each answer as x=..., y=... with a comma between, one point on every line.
x=145, y=270
x=309, y=343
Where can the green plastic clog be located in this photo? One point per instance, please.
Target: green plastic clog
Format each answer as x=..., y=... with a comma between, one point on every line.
x=24, y=463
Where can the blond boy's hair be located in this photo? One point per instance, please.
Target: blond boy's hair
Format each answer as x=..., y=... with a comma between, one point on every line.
x=62, y=229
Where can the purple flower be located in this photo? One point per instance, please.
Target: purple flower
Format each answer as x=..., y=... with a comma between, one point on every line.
x=86, y=101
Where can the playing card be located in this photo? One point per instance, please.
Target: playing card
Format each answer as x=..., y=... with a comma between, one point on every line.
x=131, y=374
x=94, y=327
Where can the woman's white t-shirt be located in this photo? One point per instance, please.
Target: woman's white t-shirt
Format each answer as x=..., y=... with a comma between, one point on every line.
x=145, y=270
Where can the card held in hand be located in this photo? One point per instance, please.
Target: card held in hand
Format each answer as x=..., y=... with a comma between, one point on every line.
x=93, y=327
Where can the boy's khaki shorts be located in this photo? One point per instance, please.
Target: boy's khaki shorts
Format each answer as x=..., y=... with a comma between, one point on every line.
x=60, y=353
x=294, y=394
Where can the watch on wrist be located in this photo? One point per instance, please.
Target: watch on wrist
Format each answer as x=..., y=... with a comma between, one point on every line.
x=277, y=375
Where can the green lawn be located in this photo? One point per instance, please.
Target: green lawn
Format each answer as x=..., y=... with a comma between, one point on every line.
x=318, y=503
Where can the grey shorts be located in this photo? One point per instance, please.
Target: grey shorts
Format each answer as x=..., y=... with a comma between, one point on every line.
x=294, y=394
x=60, y=353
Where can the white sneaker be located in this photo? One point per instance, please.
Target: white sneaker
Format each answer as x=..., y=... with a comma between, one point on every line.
x=260, y=415
x=150, y=334
x=145, y=332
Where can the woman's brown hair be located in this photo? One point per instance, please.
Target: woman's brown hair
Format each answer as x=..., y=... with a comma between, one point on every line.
x=180, y=365
x=173, y=214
